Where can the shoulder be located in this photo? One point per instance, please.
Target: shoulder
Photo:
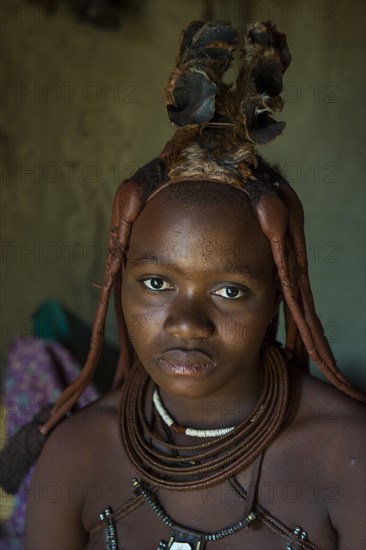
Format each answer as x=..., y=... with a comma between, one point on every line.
x=329, y=428
x=56, y=495
x=325, y=410
x=324, y=428
x=331, y=422
x=81, y=431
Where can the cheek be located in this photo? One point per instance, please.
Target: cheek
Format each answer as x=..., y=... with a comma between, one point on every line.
x=142, y=322
x=242, y=332
x=248, y=324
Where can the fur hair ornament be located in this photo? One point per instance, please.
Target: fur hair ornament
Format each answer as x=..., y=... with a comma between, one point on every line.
x=220, y=124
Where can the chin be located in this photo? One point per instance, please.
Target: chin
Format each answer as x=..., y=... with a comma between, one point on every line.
x=186, y=388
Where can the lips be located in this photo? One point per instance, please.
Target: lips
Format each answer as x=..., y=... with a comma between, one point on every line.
x=186, y=362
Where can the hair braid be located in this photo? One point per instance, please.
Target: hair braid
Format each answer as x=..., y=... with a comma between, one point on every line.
x=126, y=207
x=275, y=219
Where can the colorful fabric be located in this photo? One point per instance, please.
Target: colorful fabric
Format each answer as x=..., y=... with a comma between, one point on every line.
x=36, y=372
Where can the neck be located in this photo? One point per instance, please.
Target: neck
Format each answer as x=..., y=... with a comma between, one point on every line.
x=227, y=407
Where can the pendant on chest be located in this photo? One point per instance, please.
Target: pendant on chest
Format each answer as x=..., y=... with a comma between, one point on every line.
x=182, y=540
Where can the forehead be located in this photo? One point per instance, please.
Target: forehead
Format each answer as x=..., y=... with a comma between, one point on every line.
x=208, y=235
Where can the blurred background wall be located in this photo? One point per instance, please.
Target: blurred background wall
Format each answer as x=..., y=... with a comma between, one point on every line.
x=83, y=108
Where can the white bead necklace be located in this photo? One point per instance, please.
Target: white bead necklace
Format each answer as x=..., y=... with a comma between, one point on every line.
x=165, y=416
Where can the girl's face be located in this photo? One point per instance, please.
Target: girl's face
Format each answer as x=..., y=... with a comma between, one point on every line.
x=198, y=293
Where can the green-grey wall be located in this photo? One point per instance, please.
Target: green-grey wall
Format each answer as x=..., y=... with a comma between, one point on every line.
x=81, y=145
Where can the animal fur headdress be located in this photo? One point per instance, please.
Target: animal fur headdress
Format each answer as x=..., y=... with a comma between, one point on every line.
x=220, y=123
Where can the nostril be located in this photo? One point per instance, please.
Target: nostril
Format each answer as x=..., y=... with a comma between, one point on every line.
x=189, y=325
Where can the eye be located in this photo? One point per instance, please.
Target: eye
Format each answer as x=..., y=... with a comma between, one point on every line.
x=156, y=284
x=229, y=292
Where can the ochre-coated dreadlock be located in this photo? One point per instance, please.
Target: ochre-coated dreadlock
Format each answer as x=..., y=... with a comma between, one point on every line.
x=219, y=127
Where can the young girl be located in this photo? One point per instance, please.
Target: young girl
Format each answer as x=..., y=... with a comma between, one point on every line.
x=218, y=437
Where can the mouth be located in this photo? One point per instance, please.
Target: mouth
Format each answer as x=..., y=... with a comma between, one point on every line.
x=180, y=362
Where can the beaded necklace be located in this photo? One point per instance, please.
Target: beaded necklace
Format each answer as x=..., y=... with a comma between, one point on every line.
x=214, y=460
x=185, y=538
x=193, y=432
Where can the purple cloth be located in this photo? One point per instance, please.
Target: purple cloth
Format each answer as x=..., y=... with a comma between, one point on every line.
x=36, y=372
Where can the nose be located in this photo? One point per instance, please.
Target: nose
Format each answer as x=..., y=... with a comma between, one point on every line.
x=189, y=320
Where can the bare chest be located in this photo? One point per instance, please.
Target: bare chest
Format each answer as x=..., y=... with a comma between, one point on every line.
x=292, y=492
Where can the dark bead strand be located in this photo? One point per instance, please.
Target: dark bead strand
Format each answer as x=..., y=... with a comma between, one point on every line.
x=109, y=530
x=120, y=513
x=152, y=503
x=156, y=507
x=273, y=523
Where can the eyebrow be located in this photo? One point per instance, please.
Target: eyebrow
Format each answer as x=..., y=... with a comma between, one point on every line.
x=161, y=260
